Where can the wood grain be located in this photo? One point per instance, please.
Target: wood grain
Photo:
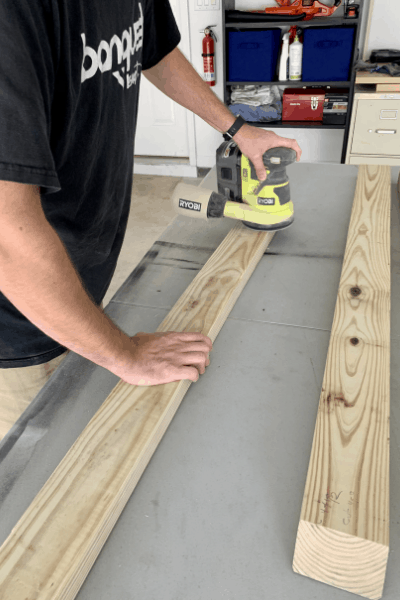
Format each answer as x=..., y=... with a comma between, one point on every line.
x=55, y=543
x=343, y=535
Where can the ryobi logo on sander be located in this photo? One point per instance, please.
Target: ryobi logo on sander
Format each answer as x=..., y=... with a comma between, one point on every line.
x=189, y=205
x=266, y=201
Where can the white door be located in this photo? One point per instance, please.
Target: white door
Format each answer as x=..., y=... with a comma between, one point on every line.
x=162, y=124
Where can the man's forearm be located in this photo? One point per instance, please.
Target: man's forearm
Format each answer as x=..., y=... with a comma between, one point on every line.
x=175, y=76
x=37, y=276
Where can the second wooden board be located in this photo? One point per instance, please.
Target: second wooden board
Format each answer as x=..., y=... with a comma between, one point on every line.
x=343, y=535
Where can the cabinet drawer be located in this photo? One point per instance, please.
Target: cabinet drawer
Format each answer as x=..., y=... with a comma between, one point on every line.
x=377, y=128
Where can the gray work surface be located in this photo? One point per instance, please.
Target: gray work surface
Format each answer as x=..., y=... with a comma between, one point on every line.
x=215, y=513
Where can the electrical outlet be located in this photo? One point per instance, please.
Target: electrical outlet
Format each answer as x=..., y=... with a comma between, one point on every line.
x=206, y=4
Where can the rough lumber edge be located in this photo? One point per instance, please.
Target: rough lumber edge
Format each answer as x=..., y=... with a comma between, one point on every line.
x=343, y=535
x=55, y=543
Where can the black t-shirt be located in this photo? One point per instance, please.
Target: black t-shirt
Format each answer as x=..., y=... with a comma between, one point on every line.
x=69, y=84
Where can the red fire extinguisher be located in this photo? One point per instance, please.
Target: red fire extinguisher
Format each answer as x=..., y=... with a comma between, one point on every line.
x=208, y=55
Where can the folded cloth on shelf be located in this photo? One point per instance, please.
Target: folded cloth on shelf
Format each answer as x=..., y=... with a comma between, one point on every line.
x=255, y=95
x=263, y=113
x=257, y=103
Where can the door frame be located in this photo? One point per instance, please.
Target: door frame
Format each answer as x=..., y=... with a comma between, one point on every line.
x=189, y=114
x=178, y=167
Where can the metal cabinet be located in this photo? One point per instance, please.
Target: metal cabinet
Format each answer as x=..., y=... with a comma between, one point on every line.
x=374, y=136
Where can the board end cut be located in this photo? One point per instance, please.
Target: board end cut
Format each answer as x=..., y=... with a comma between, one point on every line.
x=352, y=563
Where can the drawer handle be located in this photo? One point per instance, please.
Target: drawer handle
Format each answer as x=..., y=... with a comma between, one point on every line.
x=391, y=131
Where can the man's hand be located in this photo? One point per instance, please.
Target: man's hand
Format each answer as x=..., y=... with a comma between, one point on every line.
x=156, y=358
x=254, y=142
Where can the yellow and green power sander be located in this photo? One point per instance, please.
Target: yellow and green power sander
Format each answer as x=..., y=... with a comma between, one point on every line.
x=262, y=205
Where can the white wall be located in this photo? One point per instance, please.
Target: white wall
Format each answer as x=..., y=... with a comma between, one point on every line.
x=385, y=26
x=317, y=146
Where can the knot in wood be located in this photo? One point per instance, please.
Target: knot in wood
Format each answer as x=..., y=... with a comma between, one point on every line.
x=354, y=341
x=355, y=291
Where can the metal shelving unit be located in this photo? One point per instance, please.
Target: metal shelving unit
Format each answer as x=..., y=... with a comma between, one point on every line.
x=296, y=125
x=316, y=22
x=295, y=83
x=338, y=20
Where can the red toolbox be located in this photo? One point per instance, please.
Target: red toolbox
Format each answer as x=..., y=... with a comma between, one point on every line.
x=305, y=104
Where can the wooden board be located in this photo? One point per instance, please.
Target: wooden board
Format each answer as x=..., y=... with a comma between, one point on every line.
x=388, y=87
x=371, y=78
x=343, y=534
x=53, y=546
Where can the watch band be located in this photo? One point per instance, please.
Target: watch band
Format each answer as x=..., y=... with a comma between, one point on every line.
x=236, y=126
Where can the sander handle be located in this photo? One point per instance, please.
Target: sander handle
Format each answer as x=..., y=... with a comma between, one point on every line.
x=275, y=160
x=198, y=202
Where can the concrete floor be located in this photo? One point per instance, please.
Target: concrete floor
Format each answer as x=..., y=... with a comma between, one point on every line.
x=151, y=212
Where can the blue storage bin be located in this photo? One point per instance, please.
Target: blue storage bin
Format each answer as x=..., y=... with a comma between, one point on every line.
x=327, y=53
x=253, y=54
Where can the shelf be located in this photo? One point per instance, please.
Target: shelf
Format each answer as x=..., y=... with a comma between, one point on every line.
x=294, y=83
x=374, y=78
x=295, y=125
x=235, y=21
x=316, y=22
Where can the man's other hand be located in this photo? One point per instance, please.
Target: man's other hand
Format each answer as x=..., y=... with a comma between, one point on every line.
x=254, y=142
x=157, y=358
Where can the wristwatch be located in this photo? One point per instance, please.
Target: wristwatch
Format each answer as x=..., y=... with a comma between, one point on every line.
x=235, y=127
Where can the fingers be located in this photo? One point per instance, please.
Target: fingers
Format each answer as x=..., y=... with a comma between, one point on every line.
x=196, y=347
x=190, y=373
x=297, y=149
x=196, y=352
x=260, y=172
x=259, y=165
x=183, y=336
x=163, y=357
x=175, y=374
x=193, y=342
x=198, y=359
x=294, y=145
x=195, y=337
x=287, y=143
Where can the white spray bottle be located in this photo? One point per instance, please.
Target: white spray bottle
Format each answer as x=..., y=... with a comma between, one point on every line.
x=283, y=64
x=295, y=59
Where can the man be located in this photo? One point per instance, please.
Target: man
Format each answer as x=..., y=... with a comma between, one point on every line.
x=69, y=85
